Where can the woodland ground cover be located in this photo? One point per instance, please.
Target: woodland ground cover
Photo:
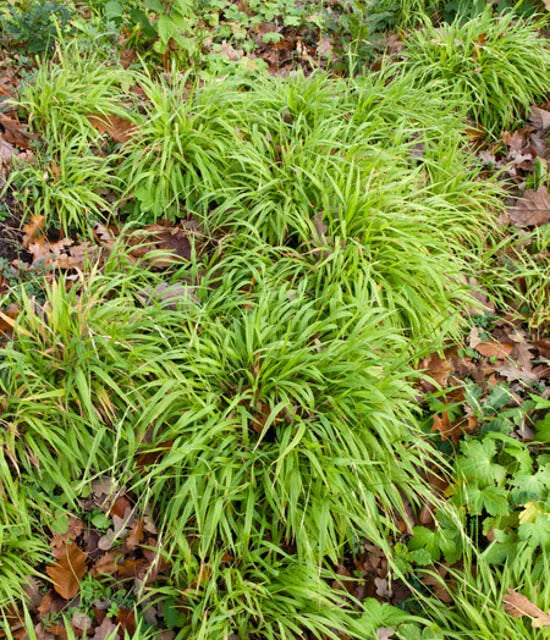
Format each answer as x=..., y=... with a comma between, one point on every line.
x=274, y=320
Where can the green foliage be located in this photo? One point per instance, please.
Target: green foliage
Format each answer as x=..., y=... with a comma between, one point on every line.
x=478, y=591
x=498, y=66
x=507, y=483
x=270, y=595
x=21, y=547
x=517, y=272
x=67, y=189
x=34, y=27
x=60, y=96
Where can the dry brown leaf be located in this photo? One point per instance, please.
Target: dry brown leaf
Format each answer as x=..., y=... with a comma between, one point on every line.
x=107, y=630
x=228, y=50
x=473, y=338
x=69, y=569
x=119, y=507
x=120, y=129
x=126, y=620
x=174, y=240
x=135, y=536
x=32, y=229
x=512, y=373
x=107, y=564
x=517, y=605
x=499, y=350
x=385, y=633
x=540, y=117
x=324, y=47
x=445, y=427
x=15, y=132
x=533, y=210
x=81, y=621
x=437, y=368
x=50, y=603
x=515, y=141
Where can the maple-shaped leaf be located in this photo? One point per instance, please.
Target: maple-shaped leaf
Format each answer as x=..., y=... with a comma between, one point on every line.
x=518, y=605
x=533, y=210
x=476, y=463
x=69, y=570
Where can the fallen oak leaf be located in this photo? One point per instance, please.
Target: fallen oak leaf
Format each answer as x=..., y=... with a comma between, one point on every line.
x=15, y=132
x=540, y=117
x=499, y=350
x=512, y=373
x=135, y=536
x=120, y=129
x=107, y=630
x=32, y=229
x=437, y=368
x=166, y=239
x=533, y=210
x=50, y=604
x=68, y=571
x=518, y=605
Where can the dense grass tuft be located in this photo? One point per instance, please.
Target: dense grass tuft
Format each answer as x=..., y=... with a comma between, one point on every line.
x=498, y=66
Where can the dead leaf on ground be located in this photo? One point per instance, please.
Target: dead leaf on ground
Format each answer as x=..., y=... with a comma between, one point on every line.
x=385, y=633
x=518, y=605
x=50, y=604
x=107, y=630
x=166, y=238
x=540, y=117
x=68, y=571
x=228, y=50
x=514, y=373
x=15, y=132
x=81, y=621
x=324, y=47
x=32, y=229
x=120, y=129
x=498, y=350
x=452, y=430
x=437, y=368
x=533, y=210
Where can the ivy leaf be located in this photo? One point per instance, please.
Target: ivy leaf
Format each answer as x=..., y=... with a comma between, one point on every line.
x=166, y=28
x=531, y=486
x=424, y=538
x=537, y=533
x=495, y=501
x=476, y=463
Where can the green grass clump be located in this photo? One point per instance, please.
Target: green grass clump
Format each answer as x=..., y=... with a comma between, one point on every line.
x=270, y=595
x=517, y=274
x=21, y=549
x=69, y=189
x=478, y=592
x=497, y=65
x=325, y=167
x=293, y=429
x=61, y=95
